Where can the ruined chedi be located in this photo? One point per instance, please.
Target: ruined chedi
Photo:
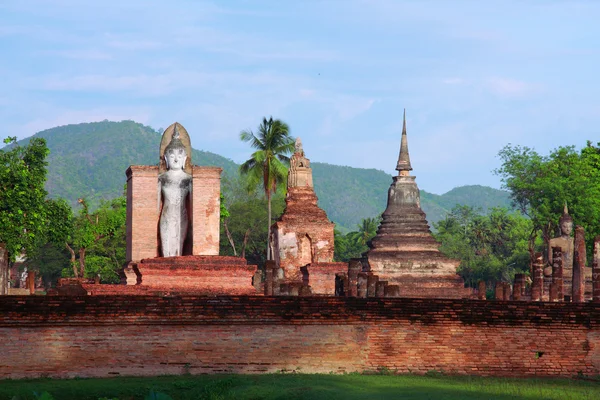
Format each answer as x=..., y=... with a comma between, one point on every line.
x=303, y=234
x=404, y=252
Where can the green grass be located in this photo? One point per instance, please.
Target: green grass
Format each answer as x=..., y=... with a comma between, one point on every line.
x=300, y=386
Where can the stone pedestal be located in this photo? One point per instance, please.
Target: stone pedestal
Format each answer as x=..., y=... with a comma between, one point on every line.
x=209, y=275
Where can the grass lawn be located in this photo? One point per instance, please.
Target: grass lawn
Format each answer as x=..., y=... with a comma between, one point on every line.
x=301, y=386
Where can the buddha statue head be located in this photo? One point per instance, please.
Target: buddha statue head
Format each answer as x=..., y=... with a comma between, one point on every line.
x=175, y=154
x=565, y=222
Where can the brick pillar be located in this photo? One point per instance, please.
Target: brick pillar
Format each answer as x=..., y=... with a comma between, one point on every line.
x=206, y=210
x=362, y=284
x=31, y=281
x=596, y=271
x=481, y=290
x=278, y=279
x=3, y=269
x=517, y=287
x=269, y=277
x=579, y=261
x=506, y=289
x=372, y=285
x=499, y=291
x=392, y=291
x=142, y=213
x=557, y=274
x=537, y=285
x=380, y=288
x=553, y=292
x=354, y=267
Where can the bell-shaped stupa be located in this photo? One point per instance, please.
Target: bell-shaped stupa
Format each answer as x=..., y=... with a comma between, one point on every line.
x=404, y=252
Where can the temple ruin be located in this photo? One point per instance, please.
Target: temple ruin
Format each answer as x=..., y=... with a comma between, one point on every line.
x=302, y=239
x=404, y=252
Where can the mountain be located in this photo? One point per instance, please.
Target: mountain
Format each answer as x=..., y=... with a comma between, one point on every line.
x=89, y=160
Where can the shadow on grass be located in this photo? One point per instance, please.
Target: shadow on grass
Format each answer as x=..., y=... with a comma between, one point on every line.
x=299, y=386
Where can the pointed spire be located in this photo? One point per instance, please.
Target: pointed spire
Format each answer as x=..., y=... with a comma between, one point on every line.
x=404, y=157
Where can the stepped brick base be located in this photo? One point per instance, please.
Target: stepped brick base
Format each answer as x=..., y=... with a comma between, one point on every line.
x=194, y=274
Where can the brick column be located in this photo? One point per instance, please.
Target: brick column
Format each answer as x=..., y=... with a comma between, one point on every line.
x=579, y=261
x=596, y=271
x=362, y=284
x=518, y=287
x=537, y=285
x=506, y=291
x=269, y=277
x=499, y=291
x=557, y=274
x=481, y=290
x=392, y=291
x=354, y=267
x=206, y=210
x=142, y=213
x=372, y=285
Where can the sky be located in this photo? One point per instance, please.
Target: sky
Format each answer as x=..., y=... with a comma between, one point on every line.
x=473, y=76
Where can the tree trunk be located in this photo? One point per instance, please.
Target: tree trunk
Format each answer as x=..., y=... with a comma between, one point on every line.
x=73, y=261
x=246, y=235
x=229, y=237
x=269, y=228
x=82, y=262
x=3, y=269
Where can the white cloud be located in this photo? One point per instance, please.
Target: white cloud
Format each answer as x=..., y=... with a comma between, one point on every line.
x=511, y=87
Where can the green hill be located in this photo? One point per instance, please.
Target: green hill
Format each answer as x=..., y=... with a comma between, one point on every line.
x=89, y=160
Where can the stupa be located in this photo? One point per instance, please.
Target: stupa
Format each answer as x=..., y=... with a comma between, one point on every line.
x=404, y=252
x=302, y=240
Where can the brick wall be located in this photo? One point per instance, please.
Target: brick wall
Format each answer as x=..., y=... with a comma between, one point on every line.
x=145, y=335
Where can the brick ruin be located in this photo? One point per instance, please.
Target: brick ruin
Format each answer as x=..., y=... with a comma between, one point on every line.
x=404, y=252
x=199, y=312
x=302, y=240
x=200, y=268
x=100, y=336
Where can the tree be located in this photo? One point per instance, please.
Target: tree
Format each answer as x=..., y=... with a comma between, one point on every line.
x=541, y=185
x=491, y=247
x=267, y=165
x=101, y=235
x=22, y=194
x=49, y=256
x=354, y=244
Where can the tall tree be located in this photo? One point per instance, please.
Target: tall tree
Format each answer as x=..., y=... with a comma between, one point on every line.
x=491, y=247
x=267, y=165
x=540, y=186
x=22, y=198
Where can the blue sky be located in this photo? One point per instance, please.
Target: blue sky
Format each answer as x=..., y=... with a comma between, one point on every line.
x=473, y=75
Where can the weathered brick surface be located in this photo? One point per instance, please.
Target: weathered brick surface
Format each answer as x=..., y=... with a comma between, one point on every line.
x=142, y=212
x=206, y=210
x=149, y=335
x=321, y=277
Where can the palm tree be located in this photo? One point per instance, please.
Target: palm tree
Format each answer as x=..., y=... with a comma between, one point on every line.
x=273, y=143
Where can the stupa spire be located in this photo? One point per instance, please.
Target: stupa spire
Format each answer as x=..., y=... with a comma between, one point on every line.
x=404, y=157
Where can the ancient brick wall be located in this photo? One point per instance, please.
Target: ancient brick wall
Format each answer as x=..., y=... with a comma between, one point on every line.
x=142, y=220
x=206, y=210
x=145, y=335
